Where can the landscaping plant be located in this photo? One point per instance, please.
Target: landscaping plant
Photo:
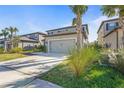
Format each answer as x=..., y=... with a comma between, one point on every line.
x=80, y=60
x=1, y=50
x=117, y=59
x=16, y=50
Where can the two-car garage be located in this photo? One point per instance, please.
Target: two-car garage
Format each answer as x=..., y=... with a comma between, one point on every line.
x=62, y=45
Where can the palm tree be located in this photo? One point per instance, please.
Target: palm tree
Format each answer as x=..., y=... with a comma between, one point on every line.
x=12, y=32
x=113, y=10
x=16, y=39
x=5, y=34
x=78, y=10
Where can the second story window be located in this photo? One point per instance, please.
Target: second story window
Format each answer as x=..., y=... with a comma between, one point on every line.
x=111, y=26
x=50, y=33
x=84, y=28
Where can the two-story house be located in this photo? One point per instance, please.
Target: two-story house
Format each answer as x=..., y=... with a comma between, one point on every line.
x=62, y=40
x=31, y=40
x=27, y=41
x=110, y=34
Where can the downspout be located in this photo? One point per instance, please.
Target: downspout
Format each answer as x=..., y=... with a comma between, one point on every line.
x=117, y=39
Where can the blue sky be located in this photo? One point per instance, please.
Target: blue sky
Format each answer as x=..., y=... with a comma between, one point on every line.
x=42, y=18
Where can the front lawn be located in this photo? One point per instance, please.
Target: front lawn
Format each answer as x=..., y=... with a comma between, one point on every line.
x=96, y=77
x=4, y=57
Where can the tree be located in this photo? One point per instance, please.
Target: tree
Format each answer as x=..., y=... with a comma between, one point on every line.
x=113, y=10
x=79, y=11
x=16, y=39
x=12, y=32
x=5, y=34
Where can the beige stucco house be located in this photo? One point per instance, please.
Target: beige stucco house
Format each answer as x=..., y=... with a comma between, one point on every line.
x=62, y=40
x=27, y=41
x=31, y=40
x=110, y=34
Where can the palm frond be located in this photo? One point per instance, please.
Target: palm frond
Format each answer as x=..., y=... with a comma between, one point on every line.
x=108, y=10
x=74, y=22
x=79, y=9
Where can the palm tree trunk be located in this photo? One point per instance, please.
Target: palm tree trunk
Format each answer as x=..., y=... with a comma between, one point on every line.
x=12, y=40
x=79, y=32
x=12, y=43
x=5, y=45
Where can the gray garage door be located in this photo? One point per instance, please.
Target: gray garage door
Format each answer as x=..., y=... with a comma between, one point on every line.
x=62, y=46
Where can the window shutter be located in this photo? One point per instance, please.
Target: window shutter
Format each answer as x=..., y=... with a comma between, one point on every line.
x=106, y=26
x=117, y=24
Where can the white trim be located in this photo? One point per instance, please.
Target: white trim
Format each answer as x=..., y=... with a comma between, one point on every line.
x=48, y=47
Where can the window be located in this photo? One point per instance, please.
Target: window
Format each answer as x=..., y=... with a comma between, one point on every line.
x=111, y=26
x=50, y=33
x=84, y=28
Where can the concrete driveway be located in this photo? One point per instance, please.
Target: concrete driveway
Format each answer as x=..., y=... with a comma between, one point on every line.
x=23, y=72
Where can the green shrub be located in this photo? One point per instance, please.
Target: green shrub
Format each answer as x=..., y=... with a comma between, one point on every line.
x=41, y=48
x=104, y=59
x=1, y=50
x=80, y=60
x=115, y=59
x=16, y=50
x=96, y=45
x=120, y=63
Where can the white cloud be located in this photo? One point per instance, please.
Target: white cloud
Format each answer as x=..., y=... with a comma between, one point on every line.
x=33, y=27
x=67, y=24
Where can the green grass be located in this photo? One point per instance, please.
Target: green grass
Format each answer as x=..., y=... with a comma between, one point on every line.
x=32, y=50
x=4, y=57
x=96, y=77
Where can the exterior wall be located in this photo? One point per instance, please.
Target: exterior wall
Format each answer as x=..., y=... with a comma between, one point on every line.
x=61, y=37
x=20, y=45
x=101, y=33
x=61, y=31
x=120, y=40
x=41, y=39
x=65, y=30
x=112, y=39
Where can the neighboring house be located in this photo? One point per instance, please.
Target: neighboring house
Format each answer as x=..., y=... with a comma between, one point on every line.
x=110, y=34
x=62, y=40
x=31, y=40
x=27, y=41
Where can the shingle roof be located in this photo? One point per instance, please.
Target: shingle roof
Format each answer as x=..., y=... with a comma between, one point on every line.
x=23, y=38
x=34, y=33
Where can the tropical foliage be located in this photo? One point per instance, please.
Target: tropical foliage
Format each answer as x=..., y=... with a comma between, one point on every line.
x=80, y=60
x=5, y=35
x=10, y=35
